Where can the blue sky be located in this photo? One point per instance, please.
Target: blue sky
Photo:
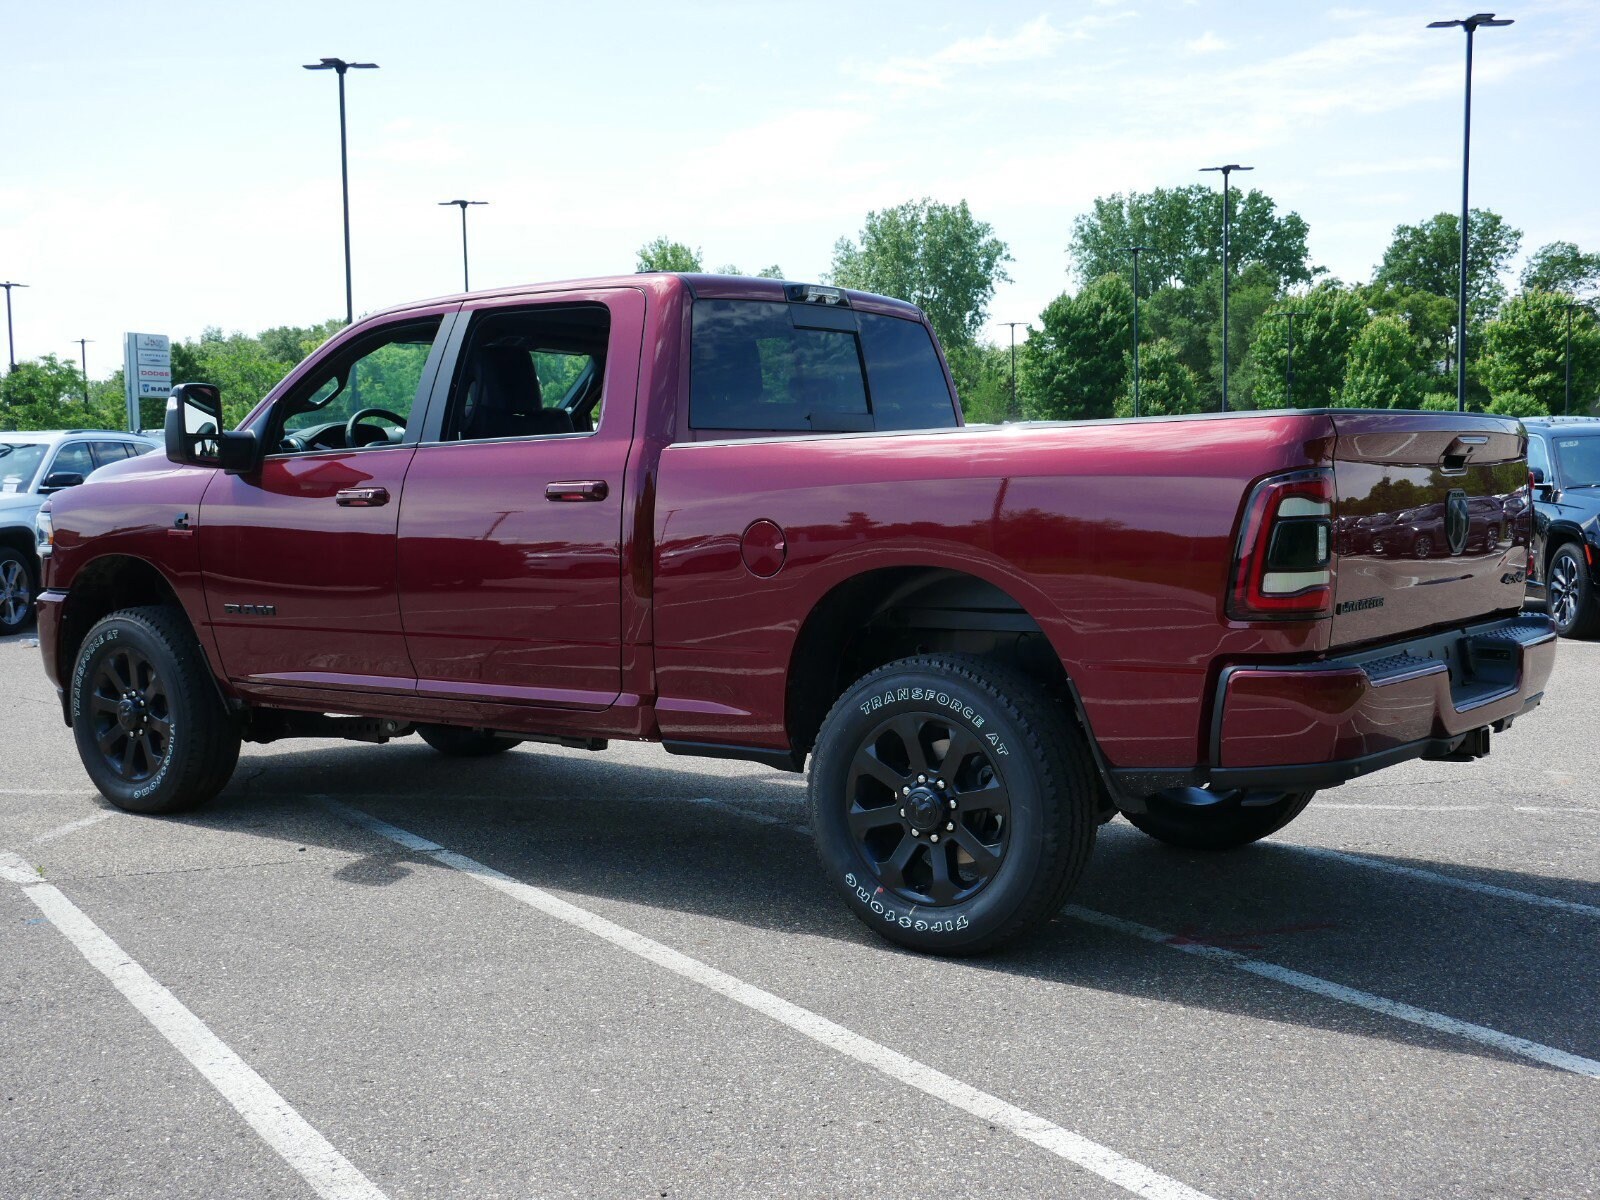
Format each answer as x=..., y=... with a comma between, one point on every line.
x=170, y=166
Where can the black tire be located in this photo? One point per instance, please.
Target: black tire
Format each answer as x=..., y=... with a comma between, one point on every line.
x=151, y=730
x=1571, y=594
x=1237, y=819
x=997, y=758
x=19, y=585
x=455, y=741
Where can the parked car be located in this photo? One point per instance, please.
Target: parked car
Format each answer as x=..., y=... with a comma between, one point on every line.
x=33, y=465
x=1564, y=567
x=743, y=518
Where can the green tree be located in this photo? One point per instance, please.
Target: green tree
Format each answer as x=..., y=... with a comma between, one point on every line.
x=938, y=256
x=1430, y=320
x=1183, y=229
x=1326, y=321
x=1524, y=352
x=1517, y=404
x=1384, y=369
x=663, y=254
x=772, y=272
x=1074, y=367
x=47, y=393
x=1427, y=257
x=1166, y=387
x=982, y=374
x=1561, y=267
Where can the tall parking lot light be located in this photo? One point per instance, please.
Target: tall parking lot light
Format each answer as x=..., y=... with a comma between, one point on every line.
x=1135, y=251
x=1227, y=221
x=11, y=340
x=83, y=357
x=463, y=205
x=339, y=65
x=1471, y=25
x=1011, y=412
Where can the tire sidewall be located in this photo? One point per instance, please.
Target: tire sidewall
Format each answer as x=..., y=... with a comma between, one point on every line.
x=863, y=709
x=1580, y=587
x=157, y=793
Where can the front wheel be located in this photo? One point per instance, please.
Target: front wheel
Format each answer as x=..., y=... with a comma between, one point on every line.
x=1572, y=602
x=1202, y=819
x=16, y=590
x=954, y=803
x=151, y=730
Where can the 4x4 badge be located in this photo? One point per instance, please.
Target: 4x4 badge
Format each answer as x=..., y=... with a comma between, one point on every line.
x=1456, y=520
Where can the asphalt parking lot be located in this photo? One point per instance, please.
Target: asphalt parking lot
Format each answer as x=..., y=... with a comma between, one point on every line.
x=371, y=971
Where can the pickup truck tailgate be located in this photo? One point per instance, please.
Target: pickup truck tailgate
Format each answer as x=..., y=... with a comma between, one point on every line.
x=1431, y=522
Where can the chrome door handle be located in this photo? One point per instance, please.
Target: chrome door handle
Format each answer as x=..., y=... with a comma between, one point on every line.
x=363, y=497
x=577, y=489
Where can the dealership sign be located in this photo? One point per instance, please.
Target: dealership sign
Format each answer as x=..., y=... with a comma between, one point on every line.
x=147, y=370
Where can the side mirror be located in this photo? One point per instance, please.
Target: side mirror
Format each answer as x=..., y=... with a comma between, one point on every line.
x=57, y=480
x=194, y=432
x=1536, y=476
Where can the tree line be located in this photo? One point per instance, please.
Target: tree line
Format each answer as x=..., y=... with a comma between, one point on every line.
x=1297, y=336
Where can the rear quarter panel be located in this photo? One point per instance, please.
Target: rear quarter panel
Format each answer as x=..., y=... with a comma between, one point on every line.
x=1116, y=537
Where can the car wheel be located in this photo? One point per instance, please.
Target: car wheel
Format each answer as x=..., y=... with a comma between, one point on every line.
x=455, y=741
x=17, y=590
x=954, y=803
x=151, y=730
x=1422, y=547
x=1202, y=819
x=1571, y=597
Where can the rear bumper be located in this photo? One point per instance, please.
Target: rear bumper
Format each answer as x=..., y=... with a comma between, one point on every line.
x=1320, y=724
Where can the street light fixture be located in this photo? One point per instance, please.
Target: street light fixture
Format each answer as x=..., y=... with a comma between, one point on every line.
x=463, y=204
x=339, y=65
x=83, y=357
x=1227, y=220
x=11, y=341
x=1471, y=25
x=1135, y=251
x=1012, y=325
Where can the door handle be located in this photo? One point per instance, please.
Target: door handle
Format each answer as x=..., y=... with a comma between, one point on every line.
x=577, y=489
x=363, y=497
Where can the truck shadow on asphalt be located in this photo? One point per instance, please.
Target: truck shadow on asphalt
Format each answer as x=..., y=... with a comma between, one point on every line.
x=591, y=826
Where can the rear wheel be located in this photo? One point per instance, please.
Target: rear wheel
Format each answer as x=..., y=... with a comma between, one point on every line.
x=1203, y=819
x=456, y=741
x=17, y=590
x=1572, y=602
x=151, y=730
x=954, y=803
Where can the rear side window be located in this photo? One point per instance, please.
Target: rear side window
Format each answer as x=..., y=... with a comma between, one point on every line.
x=908, y=385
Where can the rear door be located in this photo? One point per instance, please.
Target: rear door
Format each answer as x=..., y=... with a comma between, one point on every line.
x=1436, y=505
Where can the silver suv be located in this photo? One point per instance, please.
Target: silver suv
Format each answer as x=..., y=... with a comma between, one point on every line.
x=33, y=465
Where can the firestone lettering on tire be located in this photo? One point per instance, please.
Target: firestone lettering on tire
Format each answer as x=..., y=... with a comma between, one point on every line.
x=903, y=919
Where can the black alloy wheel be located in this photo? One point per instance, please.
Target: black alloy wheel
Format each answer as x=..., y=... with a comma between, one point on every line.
x=130, y=713
x=1570, y=595
x=1209, y=819
x=954, y=801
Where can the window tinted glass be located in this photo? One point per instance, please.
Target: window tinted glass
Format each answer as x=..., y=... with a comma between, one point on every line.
x=751, y=368
x=74, y=457
x=1579, y=458
x=110, y=452
x=908, y=386
x=1537, y=457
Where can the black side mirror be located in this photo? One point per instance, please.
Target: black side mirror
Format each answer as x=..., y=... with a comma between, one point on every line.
x=57, y=480
x=1536, y=474
x=194, y=432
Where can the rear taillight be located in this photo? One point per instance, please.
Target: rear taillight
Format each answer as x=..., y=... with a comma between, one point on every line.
x=1283, y=568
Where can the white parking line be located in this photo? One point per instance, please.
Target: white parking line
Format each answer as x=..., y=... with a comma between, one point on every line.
x=1481, y=1034
x=1468, y=885
x=331, y=1174
x=73, y=826
x=1558, y=812
x=1073, y=1147
x=1324, y=804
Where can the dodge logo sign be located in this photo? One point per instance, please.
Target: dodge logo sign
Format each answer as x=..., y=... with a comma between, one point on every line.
x=1456, y=521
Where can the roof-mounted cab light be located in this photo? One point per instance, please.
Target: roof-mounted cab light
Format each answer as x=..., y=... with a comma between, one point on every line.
x=815, y=293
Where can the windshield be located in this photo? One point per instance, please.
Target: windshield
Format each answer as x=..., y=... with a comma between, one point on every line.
x=1579, y=458
x=19, y=461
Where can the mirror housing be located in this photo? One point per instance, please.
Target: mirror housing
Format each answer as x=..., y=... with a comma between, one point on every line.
x=194, y=433
x=57, y=480
x=1536, y=476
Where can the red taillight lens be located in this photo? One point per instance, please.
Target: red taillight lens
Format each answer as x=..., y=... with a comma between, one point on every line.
x=1283, y=568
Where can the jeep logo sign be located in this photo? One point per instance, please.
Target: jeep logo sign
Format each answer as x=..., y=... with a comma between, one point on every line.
x=1456, y=521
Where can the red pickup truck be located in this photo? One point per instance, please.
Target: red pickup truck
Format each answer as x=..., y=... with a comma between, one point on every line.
x=743, y=518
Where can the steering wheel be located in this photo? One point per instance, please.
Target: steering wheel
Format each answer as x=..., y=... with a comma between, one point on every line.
x=359, y=414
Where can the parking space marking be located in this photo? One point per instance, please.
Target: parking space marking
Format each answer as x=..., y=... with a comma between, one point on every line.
x=1558, y=812
x=1100, y=1160
x=1468, y=885
x=73, y=826
x=331, y=1174
x=1482, y=1034
x=1403, y=807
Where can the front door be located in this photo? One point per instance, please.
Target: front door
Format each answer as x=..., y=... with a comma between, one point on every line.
x=511, y=527
x=299, y=556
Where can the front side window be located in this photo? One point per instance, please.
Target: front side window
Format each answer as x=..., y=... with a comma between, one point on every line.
x=1538, y=458
x=73, y=458
x=363, y=396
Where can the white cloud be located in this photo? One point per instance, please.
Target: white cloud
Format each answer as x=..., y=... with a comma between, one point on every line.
x=1206, y=43
x=1039, y=38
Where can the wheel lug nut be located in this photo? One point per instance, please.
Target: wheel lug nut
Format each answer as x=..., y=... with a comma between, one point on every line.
x=933, y=837
x=952, y=804
x=938, y=783
x=905, y=791
x=922, y=779
x=949, y=824
x=902, y=812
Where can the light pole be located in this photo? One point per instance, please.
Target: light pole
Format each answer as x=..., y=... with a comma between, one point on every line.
x=83, y=357
x=1470, y=24
x=1227, y=220
x=1288, y=375
x=11, y=340
x=1135, y=251
x=1012, y=325
x=339, y=65
x=1566, y=407
x=463, y=204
